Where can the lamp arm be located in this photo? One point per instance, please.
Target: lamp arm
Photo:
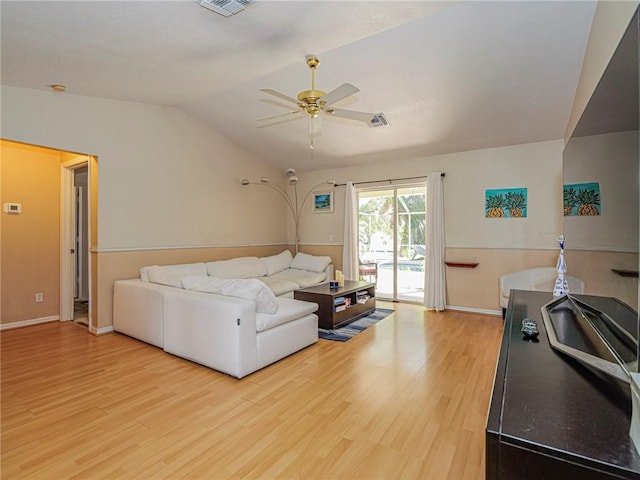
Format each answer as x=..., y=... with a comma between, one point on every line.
x=283, y=194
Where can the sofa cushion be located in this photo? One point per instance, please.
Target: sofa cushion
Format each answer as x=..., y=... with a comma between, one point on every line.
x=279, y=286
x=165, y=276
x=241, y=267
x=249, y=288
x=183, y=269
x=288, y=310
x=303, y=278
x=277, y=263
x=312, y=263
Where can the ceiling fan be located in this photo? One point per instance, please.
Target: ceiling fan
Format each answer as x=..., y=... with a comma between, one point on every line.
x=315, y=102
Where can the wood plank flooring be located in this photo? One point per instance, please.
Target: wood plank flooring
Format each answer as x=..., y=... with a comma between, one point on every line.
x=406, y=399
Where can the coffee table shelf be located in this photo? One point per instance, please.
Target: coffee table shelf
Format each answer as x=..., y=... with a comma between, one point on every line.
x=357, y=298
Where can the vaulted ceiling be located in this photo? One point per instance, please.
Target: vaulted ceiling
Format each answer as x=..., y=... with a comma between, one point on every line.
x=449, y=76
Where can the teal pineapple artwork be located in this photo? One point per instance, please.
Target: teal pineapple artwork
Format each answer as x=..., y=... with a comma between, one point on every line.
x=581, y=199
x=505, y=203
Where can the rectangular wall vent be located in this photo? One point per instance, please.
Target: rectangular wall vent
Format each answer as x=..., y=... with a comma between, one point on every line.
x=379, y=120
x=226, y=7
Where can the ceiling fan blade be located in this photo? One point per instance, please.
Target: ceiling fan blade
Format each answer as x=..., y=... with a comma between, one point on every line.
x=276, y=117
x=279, y=95
x=351, y=114
x=343, y=91
x=276, y=103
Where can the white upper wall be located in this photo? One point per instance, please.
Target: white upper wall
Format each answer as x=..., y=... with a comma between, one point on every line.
x=165, y=180
x=537, y=166
x=612, y=161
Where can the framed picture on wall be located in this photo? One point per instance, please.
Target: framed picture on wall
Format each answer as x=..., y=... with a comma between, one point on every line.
x=323, y=202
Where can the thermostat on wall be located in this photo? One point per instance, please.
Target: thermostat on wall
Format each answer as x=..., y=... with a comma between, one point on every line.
x=12, y=208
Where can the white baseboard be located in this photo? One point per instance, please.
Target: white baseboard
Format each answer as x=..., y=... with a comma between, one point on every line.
x=484, y=311
x=26, y=323
x=102, y=330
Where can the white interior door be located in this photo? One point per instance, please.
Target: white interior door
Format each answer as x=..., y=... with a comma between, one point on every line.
x=68, y=237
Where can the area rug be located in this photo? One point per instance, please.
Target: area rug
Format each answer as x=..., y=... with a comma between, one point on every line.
x=343, y=334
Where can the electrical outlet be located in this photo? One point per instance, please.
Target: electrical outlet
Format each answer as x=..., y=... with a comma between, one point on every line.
x=331, y=238
x=39, y=297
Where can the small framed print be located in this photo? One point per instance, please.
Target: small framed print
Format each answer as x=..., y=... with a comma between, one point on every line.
x=323, y=202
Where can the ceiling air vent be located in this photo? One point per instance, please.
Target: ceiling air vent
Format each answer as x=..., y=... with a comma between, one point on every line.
x=226, y=7
x=378, y=120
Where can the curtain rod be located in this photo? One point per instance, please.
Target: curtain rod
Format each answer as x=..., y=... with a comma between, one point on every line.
x=387, y=180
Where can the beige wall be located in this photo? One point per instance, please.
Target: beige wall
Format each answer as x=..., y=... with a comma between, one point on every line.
x=477, y=288
x=610, y=21
x=595, y=268
x=537, y=166
x=165, y=181
x=612, y=161
x=499, y=245
x=30, y=240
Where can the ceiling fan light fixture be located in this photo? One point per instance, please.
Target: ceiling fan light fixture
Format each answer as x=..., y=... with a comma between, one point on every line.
x=225, y=7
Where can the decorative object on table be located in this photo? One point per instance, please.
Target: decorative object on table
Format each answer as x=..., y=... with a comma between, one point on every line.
x=529, y=328
x=506, y=203
x=295, y=207
x=562, y=286
x=350, y=330
x=340, y=278
x=334, y=285
x=581, y=199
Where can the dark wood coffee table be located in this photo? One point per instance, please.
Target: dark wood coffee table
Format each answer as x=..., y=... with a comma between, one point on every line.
x=352, y=301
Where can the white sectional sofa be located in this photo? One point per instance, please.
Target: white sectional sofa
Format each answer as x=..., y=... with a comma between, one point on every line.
x=231, y=315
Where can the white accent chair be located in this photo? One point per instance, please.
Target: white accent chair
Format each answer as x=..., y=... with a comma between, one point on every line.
x=541, y=279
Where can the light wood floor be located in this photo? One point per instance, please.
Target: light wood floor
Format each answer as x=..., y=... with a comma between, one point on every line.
x=405, y=399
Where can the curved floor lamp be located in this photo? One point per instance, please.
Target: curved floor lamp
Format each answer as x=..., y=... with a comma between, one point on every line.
x=295, y=207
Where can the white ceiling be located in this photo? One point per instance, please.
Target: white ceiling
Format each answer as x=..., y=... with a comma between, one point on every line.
x=449, y=76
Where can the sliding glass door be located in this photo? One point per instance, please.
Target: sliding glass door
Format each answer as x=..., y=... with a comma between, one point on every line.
x=391, y=240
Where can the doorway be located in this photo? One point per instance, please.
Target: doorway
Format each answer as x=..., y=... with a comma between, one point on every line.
x=392, y=225
x=75, y=240
x=81, y=237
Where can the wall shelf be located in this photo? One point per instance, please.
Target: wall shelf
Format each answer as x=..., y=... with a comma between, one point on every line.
x=625, y=273
x=461, y=264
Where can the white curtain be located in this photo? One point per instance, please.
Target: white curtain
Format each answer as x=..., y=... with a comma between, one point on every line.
x=434, y=275
x=350, y=261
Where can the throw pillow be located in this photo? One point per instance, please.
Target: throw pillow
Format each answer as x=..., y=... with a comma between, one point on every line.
x=184, y=269
x=249, y=288
x=241, y=267
x=277, y=263
x=165, y=276
x=312, y=263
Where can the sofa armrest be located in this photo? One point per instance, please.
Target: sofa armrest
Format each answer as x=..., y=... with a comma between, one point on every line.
x=211, y=329
x=137, y=310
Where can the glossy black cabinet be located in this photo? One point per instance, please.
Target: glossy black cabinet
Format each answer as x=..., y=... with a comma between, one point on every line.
x=551, y=417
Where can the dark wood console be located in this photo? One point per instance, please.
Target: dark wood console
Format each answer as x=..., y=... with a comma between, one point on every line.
x=550, y=417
